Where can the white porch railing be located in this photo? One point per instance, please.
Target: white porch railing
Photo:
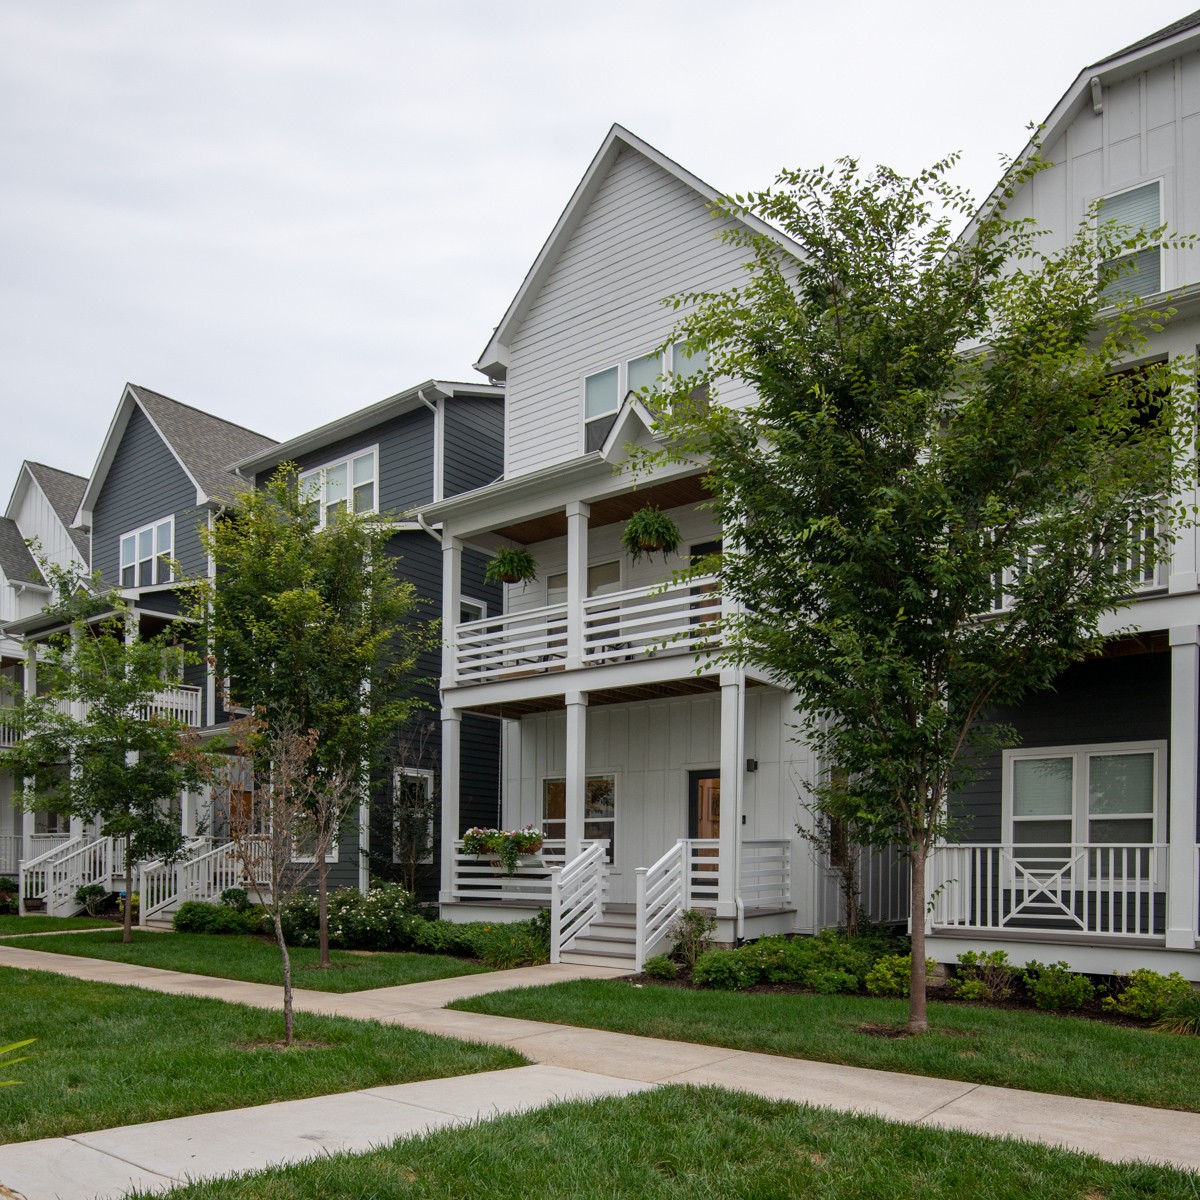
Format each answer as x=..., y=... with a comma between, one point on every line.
x=622, y=626
x=477, y=877
x=54, y=877
x=702, y=869
x=661, y=897
x=8, y=728
x=507, y=647
x=577, y=896
x=158, y=882
x=180, y=703
x=10, y=853
x=765, y=873
x=1084, y=888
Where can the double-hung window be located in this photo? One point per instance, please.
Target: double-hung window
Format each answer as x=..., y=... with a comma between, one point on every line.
x=412, y=813
x=1135, y=209
x=349, y=485
x=146, y=554
x=599, y=809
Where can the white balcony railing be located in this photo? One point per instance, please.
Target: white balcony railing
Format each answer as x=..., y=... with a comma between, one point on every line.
x=8, y=729
x=1083, y=888
x=617, y=627
x=180, y=703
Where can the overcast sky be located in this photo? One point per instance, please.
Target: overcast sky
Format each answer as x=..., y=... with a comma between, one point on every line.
x=284, y=210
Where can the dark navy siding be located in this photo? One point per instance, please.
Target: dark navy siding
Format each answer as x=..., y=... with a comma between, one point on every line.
x=145, y=483
x=1121, y=699
x=405, y=458
x=474, y=453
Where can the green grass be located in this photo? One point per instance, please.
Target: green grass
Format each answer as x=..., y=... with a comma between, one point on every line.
x=701, y=1144
x=229, y=956
x=110, y=1055
x=39, y=924
x=1041, y=1052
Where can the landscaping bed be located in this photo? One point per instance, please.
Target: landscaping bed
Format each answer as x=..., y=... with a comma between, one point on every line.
x=1039, y=1051
x=109, y=1055
x=256, y=960
x=685, y=1143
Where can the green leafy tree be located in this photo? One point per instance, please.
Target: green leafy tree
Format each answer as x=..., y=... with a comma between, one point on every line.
x=935, y=421
x=314, y=631
x=90, y=744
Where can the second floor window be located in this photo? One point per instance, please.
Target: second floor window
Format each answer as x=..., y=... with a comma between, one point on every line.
x=346, y=486
x=146, y=555
x=1139, y=208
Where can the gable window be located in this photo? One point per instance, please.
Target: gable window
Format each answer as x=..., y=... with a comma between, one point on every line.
x=350, y=485
x=146, y=555
x=1138, y=208
x=599, y=809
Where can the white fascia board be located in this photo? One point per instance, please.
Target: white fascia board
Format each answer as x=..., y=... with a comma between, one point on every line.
x=494, y=359
x=633, y=411
x=24, y=477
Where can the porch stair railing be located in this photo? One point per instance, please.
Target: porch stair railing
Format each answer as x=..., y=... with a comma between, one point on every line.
x=158, y=885
x=205, y=876
x=661, y=897
x=577, y=897
x=53, y=878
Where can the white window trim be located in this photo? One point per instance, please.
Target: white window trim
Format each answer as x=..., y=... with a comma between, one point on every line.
x=615, y=776
x=1079, y=783
x=480, y=607
x=152, y=527
x=1163, y=191
x=331, y=855
x=669, y=366
x=348, y=462
x=429, y=777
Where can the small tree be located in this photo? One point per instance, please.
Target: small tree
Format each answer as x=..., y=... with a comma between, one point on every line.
x=91, y=745
x=938, y=422
x=311, y=626
x=414, y=804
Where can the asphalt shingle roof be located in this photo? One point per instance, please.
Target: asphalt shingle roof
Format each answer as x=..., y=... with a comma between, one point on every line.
x=1191, y=21
x=206, y=445
x=16, y=561
x=64, y=491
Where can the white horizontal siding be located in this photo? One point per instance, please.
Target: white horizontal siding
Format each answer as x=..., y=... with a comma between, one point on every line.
x=644, y=237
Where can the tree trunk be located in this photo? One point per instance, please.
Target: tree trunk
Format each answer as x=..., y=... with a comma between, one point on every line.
x=917, y=1021
x=323, y=902
x=127, y=934
x=289, y=1020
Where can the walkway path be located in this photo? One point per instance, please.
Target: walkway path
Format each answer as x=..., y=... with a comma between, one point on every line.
x=572, y=1062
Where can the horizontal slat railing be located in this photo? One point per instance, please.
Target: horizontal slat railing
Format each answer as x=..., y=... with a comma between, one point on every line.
x=765, y=873
x=622, y=626
x=477, y=877
x=660, y=900
x=512, y=645
x=577, y=896
x=702, y=871
x=1089, y=889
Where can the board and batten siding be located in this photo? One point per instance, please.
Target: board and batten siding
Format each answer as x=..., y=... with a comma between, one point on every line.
x=1149, y=130
x=1121, y=699
x=474, y=443
x=649, y=748
x=645, y=236
x=36, y=518
x=145, y=483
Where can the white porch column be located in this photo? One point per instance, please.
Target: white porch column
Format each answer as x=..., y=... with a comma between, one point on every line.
x=1181, y=828
x=28, y=821
x=577, y=571
x=188, y=813
x=451, y=777
x=576, y=770
x=451, y=604
x=733, y=764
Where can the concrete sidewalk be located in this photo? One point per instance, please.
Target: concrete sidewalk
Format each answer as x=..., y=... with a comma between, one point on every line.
x=1113, y=1131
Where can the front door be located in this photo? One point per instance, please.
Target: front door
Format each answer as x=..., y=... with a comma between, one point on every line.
x=704, y=822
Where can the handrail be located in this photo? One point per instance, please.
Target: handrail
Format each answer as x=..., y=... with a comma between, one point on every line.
x=660, y=899
x=577, y=896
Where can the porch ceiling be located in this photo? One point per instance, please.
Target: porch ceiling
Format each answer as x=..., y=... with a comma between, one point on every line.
x=691, y=686
x=670, y=494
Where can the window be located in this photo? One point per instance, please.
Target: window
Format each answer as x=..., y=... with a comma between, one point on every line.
x=346, y=486
x=471, y=610
x=602, y=579
x=599, y=809
x=412, y=815
x=1106, y=795
x=146, y=554
x=1139, y=208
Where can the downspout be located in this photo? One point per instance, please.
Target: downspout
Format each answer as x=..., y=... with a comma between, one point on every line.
x=429, y=529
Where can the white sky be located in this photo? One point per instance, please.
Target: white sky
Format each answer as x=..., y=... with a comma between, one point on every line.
x=284, y=210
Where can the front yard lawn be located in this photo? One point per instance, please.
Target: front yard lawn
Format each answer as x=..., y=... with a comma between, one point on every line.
x=1042, y=1052
x=689, y=1143
x=40, y=924
x=110, y=1055
x=231, y=956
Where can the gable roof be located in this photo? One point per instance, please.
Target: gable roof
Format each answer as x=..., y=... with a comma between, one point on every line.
x=16, y=560
x=202, y=444
x=64, y=491
x=494, y=359
x=1191, y=21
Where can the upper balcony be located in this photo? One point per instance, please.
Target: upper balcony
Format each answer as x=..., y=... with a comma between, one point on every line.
x=180, y=702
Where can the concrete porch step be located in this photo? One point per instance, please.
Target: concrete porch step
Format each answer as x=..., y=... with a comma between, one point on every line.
x=577, y=957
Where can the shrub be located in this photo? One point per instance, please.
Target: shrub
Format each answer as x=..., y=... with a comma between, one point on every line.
x=514, y=944
x=1056, y=986
x=982, y=976
x=91, y=896
x=779, y=959
x=661, y=967
x=1147, y=994
x=236, y=898
x=195, y=916
x=445, y=937
x=1182, y=1015
x=830, y=981
x=692, y=936
x=8, y=895
x=728, y=970
x=891, y=974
